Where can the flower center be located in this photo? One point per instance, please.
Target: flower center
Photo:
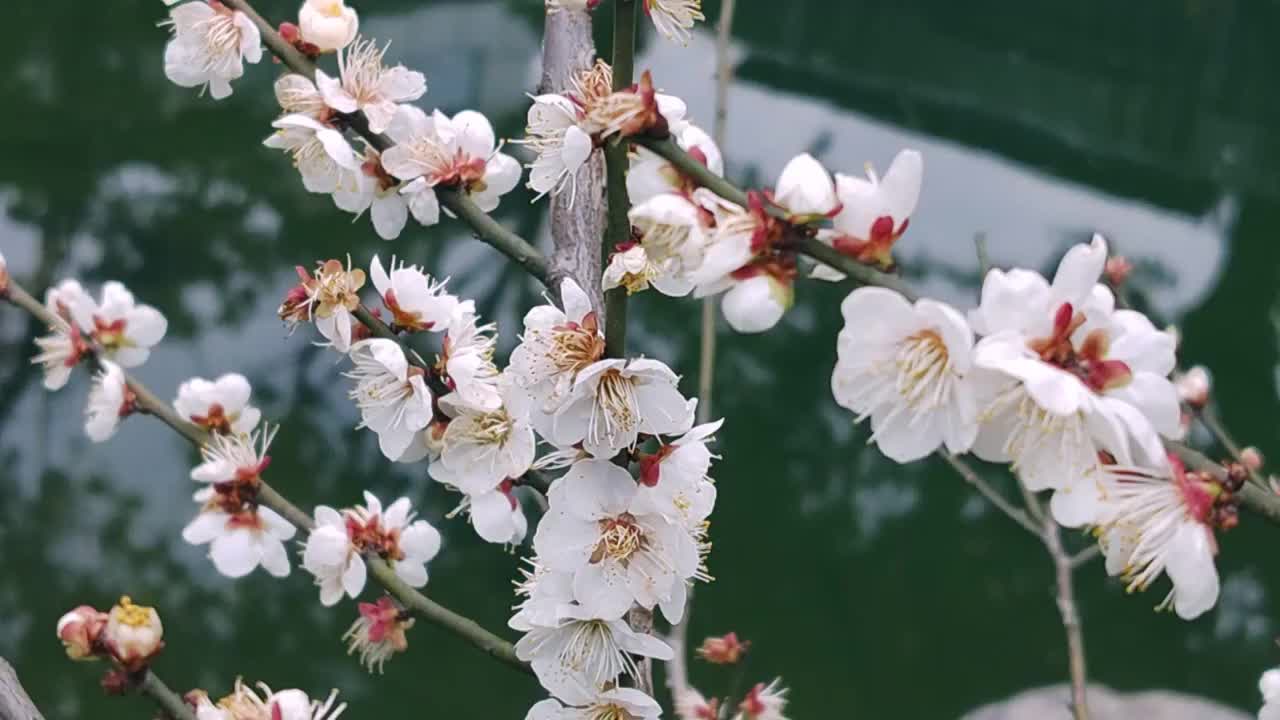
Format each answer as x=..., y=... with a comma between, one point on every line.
x=132, y=615
x=1088, y=363
x=924, y=366
x=221, y=37
x=361, y=69
x=110, y=334
x=575, y=346
x=492, y=428
x=368, y=534
x=610, y=712
x=616, y=402
x=620, y=538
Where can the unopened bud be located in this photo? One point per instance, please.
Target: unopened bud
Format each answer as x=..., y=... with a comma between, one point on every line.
x=1194, y=386
x=328, y=25
x=1118, y=269
x=79, y=631
x=726, y=650
x=133, y=634
x=1251, y=457
x=290, y=705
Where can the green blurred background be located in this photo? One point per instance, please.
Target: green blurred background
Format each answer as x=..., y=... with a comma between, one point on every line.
x=876, y=590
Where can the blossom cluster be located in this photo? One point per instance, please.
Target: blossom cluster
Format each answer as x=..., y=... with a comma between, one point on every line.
x=1053, y=379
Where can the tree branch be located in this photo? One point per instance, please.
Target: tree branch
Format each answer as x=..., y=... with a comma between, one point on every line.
x=1070, y=618
x=577, y=218
x=147, y=402
x=482, y=224
x=170, y=702
x=15, y=704
x=973, y=478
x=618, y=225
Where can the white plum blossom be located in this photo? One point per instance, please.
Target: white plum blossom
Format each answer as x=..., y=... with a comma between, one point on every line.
x=483, y=448
x=756, y=303
x=327, y=24
x=220, y=405
x=615, y=704
x=556, y=345
x=125, y=330
x=555, y=133
x=874, y=212
x=692, y=705
x=320, y=152
x=805, y=188
x=613, y=401
x=671, y=233
x=1065, y=375
x=64, y=347
x=674, y=19
x=328, y=298
x=467, y=358
x=904, y=366
x=578, y=657
x=331, y=556
x=632, y=267
x=651, y=175
x=392, y=395
x=1269, y=686
x=298, y=95
x=461, y=151
x=210, y=44
x=674, y=481
x=240, y=538
x=334, y=551
x=1157, y=519
x=415, y=300
x=617, y=554
x=365, y=85
x=110, y=399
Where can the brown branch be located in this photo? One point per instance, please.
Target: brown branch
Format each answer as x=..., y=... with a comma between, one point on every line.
x=148, y=403
x=484, y=226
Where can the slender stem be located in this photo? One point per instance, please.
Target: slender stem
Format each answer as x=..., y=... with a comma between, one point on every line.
x=973, y=478
x=1211, y=422
x=170, y=702
x=484, y=226
x=1070, y=619
x=625, y=15
x=1258, y=499
x=617, y=224
x=150, y=404
x=1085, y=555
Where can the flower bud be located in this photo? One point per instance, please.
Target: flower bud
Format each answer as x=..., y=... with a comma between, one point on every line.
x=1251, y=457
x=327, y=24
x=757, y=303
x=726, y=650
x=79, y=630
x=133, y=633
x=1194, y=386
x=1117, y=269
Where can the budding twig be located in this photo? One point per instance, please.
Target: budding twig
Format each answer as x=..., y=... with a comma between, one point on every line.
x=169, y=701
x=485, y=227
x=149, y=403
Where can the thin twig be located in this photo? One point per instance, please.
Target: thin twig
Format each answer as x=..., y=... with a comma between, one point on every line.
x=990, y=493
x=1085, y=555
x=1070, y=619
x=482, y=224
x=170, y=702
x=1209, y=418
x=147, y=402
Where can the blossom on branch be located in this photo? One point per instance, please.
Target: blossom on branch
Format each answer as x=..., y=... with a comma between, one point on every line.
x=220, y=405
x=555, y=133
x=764, y=702
x=461, y=152
x=379, y=633
x=615, y=704
x=365, y=85
x=329, y=25
x=79, y=631
x=133, y=634
x=210, y=45
x=874, y=213
x=415, y=300
x=64, y=347
x=614, y=401
x=125, y=330
x=392, y=395
x=1065, y=376
x=320, y=152
x=466, y=361
x=905, y=366
x=557, y=344
x=110, y=398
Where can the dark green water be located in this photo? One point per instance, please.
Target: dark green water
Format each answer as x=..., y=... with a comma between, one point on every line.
x=878, y=591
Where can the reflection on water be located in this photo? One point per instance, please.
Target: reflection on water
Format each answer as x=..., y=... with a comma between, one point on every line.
x=855, y=578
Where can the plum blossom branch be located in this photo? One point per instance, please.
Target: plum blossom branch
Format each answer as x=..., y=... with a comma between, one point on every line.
x=147, y=402
x=170, y=702
x=1070, y=618
x=485, y=227
x=617, y=223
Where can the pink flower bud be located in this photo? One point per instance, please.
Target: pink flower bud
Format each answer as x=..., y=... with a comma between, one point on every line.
x=1194, y=386
x=726, y=650
x=79, y=630
x=133, y=634
x=1117, y=270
